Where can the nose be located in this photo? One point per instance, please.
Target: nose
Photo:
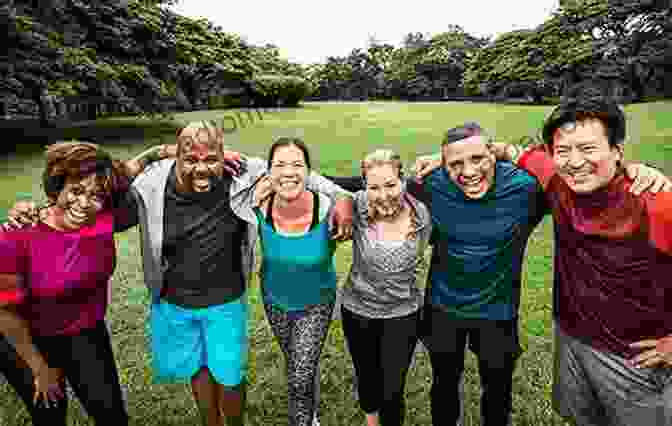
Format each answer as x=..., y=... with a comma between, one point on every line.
x=288, y=171
x=469, y=170
x=201, y=167
x=575, y=159
x=83, y=202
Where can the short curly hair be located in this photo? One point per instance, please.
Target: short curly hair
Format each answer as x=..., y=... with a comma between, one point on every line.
x=79, y=159
x=582, y=102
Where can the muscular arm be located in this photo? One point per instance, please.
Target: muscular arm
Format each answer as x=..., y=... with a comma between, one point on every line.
x=137, y=164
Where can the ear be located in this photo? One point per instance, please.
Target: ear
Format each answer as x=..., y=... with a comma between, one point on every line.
x=491, y=151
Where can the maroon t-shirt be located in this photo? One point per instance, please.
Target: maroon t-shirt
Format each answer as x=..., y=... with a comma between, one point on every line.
x=613, y=260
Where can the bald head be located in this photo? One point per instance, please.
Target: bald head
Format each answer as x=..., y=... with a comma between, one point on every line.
x=200, y=156
x=200, y=132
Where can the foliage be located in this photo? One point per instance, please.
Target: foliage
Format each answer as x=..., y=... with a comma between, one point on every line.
x=279, y=90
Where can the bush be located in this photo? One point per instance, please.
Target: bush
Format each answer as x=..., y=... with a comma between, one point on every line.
x=279, y=90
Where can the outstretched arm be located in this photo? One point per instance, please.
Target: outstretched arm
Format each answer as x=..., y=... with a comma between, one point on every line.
x=137, y=164
x=349, y=183
x=538, y=161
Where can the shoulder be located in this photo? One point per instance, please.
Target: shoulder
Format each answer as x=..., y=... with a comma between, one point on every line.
x=254, y=167
x=153, y=171
x=512, y=182
x=659, y=210
x=326, y=205
x=360, y=199
x=15, y=243
x=420, y=209
x=509, y=174
x=436, y=177
x=660, y=207
x=16, y=235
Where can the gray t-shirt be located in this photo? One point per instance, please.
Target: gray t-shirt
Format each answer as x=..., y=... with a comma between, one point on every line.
x=382, y=280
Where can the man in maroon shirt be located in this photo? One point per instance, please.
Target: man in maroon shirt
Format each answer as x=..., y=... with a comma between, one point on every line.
x=612, y=266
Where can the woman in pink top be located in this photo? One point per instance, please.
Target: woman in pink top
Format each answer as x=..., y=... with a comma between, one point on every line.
x=54, y=285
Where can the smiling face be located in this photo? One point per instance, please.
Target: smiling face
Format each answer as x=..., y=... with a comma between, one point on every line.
x=470, y=165
x=583, y=156
x=200, y=160
x=288, y=171
x=384, y=189
x=79, y=201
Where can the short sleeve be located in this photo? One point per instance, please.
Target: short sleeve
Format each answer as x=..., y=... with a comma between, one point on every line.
x=538, y=162
x=13, y=268
x=660, y=222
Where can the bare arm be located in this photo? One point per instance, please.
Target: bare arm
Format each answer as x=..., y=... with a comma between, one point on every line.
x=17, y=332
x=137, y=164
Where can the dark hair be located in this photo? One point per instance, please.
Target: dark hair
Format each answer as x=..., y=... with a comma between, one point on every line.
x=79, y=159
x=466, y=130
x=586, y=101
x=289, y=141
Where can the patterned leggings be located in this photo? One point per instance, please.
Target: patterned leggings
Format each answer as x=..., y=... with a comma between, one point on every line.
x=301, y=338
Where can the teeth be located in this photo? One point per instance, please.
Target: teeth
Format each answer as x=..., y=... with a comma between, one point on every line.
x=77, y=216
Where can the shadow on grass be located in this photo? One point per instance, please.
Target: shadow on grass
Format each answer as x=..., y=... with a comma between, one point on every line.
x=27, y=136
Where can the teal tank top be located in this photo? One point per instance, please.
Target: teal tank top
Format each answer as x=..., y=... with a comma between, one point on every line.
x=297, y=271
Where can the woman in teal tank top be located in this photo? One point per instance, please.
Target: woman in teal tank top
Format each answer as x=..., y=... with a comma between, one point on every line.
x=298, y=279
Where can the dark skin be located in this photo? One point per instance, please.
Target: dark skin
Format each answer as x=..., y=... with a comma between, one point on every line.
x=76, y=205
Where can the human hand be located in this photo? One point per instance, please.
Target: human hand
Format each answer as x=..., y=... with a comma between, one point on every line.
x=49, y=385
x=425, y=165
x=342, y=219
x=655, y=352
x=646, y=178
x=263, y=189
x=234, y=162
x=23, y=213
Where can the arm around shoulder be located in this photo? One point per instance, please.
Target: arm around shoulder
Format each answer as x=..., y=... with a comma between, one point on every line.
x=660, y=218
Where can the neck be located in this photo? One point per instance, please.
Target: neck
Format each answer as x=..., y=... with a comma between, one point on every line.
x=54, y=219
x=294, y=207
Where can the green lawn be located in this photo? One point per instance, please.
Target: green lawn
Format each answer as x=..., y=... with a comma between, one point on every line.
x=339, y=134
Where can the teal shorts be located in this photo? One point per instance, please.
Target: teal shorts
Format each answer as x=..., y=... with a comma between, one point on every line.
x=185, y=339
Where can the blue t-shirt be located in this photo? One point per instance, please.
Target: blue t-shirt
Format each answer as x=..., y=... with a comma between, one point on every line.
x=479, y=244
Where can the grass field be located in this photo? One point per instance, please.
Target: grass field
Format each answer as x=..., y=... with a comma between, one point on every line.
x=339, y=134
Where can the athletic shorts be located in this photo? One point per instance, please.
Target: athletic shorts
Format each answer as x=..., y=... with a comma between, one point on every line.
x=596, y=388
x=185, y=339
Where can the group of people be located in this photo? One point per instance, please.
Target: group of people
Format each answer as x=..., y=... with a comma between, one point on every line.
x=202, y=208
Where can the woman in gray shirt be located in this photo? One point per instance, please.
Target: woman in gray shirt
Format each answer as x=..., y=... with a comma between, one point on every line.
x=381, y=300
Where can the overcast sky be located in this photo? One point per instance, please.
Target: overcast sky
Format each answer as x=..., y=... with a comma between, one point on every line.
x=308, y=31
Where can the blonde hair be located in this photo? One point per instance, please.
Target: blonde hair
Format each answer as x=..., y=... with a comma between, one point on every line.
x=382, y=157
x=387, y=157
